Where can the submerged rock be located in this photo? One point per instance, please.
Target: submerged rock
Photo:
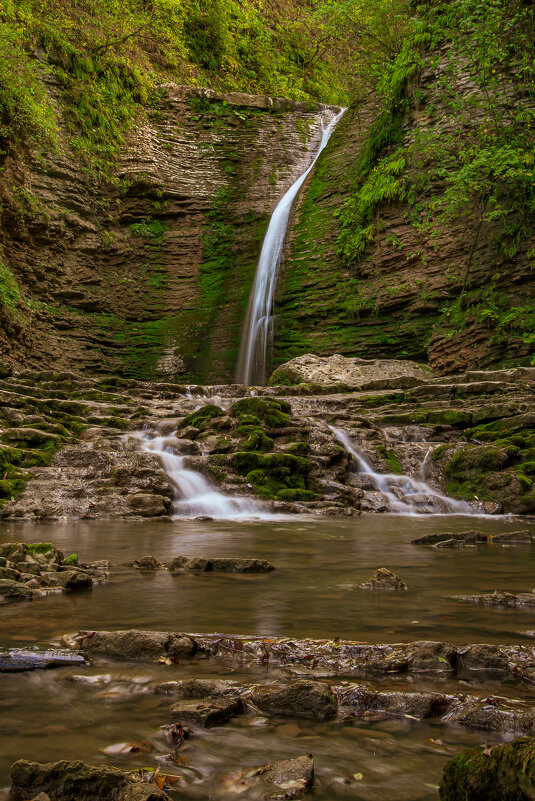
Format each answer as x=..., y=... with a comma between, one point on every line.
x=76, y=781
x=14, y=591
x=442, y=537
x=307, y=699
x=208, y=711
x=513, y=538
x=384, y=579
x=291, y=777
x=498, y=598
x=135, y=644
x=221, y=564
x=501, y=773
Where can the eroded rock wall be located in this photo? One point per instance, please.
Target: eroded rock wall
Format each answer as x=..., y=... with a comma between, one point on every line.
x=393, y=301
x=149, y=275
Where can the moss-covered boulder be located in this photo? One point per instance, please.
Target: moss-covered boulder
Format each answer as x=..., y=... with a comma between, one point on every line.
x=275, y=475
x=76, y=781
x=273, y=412
x=503, y=773
x=201, y=418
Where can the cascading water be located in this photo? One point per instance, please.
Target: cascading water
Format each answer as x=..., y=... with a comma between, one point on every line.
x=258, y=322
x=403, y=494
x=195, y=496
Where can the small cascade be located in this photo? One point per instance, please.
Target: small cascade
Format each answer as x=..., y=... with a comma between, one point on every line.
x=195, y=496
x=252, y=360
x=403, y=494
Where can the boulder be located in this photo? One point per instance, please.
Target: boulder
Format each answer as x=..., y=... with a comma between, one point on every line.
x=150, y=505
x=146, y=563
x=136, y=645
x=339, y=369
x=303, y=698
x=291, y=777
x=482, y=658
x=470, y=537
x=14, y=591
x=221, y=564
x=204, y=688
x=76, y=781
x=384, y=579
x=427, y=656
x=70, y=580
x=501, y=773
x=208, y=711
x=513, y=538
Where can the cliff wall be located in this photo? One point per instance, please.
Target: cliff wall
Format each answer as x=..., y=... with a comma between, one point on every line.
x=414, y=237
x=149, y=275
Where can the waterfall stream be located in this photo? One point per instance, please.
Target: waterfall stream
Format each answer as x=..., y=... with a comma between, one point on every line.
x=194, y=495
x=258, y=322
x=403, y=494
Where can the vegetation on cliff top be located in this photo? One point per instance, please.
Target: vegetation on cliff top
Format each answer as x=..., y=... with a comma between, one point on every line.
x=106, y=59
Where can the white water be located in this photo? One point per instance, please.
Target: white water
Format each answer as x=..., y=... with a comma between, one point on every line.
x=404, y=495
x=194, y=495
x=258, y=322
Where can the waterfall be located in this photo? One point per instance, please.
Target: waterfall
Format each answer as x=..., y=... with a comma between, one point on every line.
x=194, y=495
x=258, y=322
x=404, y=495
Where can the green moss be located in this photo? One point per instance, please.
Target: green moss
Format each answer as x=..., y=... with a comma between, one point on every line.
x=258, y=441
x=72, y=559
x=270, y=473
x=298, y=448
x=200, y=418
x=296, y=495
x=39, y=547
x=274, y=413
x=283, y=378
x=450, y=417
x=392, y=462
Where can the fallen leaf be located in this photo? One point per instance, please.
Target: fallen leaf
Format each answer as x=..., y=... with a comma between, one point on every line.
x=358, y=776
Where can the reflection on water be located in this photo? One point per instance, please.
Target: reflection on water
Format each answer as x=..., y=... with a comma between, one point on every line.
x=314, y=592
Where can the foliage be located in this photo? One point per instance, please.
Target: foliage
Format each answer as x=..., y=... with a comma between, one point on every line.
x=109, y=57
x=9, y=290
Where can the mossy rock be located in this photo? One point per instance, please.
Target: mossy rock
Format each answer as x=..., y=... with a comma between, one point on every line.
x=271, y=473
x=296, y=495
x=248, y=420
x=282, y=377
x=506, y=773
x=274, y=413
x=298, y=449
x=201, y=417
x=258, y=441
x=72, y=559
x=477, y=459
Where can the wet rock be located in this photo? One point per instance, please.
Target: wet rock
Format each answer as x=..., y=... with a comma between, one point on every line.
x=221, y=564
x=291, y=777
x=16, y=660
x=208, y=712
x=70, y=580
x=499, y=598
x=135, y=644
x=501, y=773
x=14, y=591
x=10, y=574
x=470, y=537
x=204, y=688
x=427, y=656
x=486, y=714
x=307, y=699
x=452, y=543
x=513, y=538
x=384, y=579
x=482, y=658
x=76, y=781
x=361, y=698
x=150, y=505
x=146, y=563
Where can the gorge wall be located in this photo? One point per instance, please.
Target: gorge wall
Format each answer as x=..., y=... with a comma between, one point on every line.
x=429, y=195
x=149, y=275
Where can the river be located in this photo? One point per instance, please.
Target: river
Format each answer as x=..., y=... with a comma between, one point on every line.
x=313, y=592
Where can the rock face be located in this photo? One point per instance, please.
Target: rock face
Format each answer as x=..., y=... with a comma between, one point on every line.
x=76, y=781
x=502, y=773
x=390, y=301
x=337, y=369
x=151, y=275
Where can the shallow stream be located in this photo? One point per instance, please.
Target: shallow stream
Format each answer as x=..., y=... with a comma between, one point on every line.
x=314, y=592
